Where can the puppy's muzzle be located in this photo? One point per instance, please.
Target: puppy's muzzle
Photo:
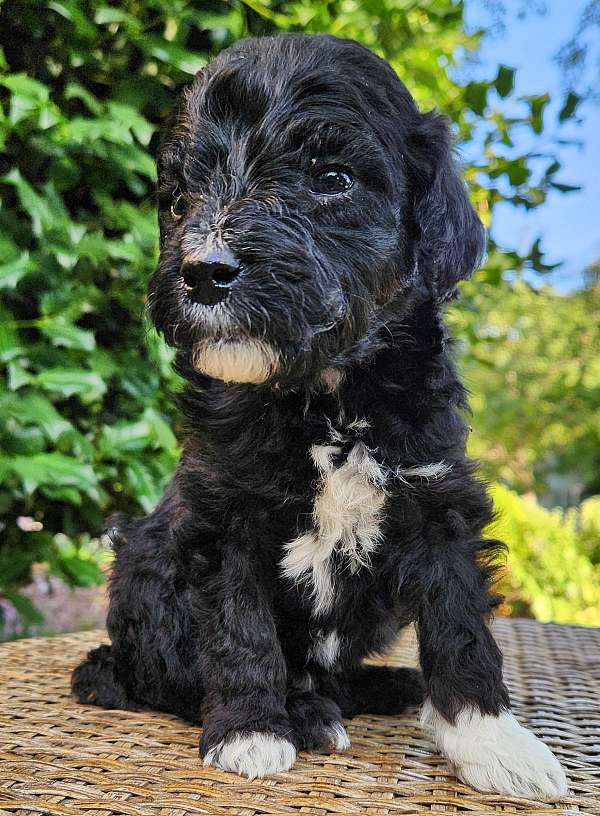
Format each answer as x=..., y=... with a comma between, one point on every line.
x=209, y=278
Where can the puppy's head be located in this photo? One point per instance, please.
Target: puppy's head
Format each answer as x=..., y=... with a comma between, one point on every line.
x=304, y=201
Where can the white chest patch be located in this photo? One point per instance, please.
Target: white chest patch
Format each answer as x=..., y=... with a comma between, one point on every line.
x=346, y=519
x=325, y=650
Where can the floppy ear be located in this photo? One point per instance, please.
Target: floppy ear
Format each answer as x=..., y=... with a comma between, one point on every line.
x=451, y=236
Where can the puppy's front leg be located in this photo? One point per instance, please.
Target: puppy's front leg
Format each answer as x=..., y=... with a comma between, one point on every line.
x=467, y=704
x=246, y=726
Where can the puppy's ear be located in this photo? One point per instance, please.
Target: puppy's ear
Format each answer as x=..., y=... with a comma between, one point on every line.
x=451, y=236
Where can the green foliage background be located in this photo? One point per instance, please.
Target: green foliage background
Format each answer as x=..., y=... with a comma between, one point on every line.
x=85, y=418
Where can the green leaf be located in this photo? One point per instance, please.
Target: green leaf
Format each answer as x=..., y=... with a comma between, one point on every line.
x=24, y=607
x=70, y=10
x=23, y=85
x=62, y=494
x=13, y=271
x=476, y=96
x=69, y=382
x=79, y=572
x=94, y=246
x=132, y=159
x=32, y=202
x=569, y=107
x=187, y=61
x=536, y=258
x=30, y=408
x=123, y=437
x=105, y=15
x=149, y=431
x=143, y=484
x=537, y=105
x=46, y=210
x=18, y=375
x=130, y=119
x=22, y=440
x=10, y=343
x=163, y=436
x=505, y=80
x=74, y=90
x=55, y=470
x=28, y=96
x=5, y=468
x=74, y=563
x=67, y=335
x=517, y=171
x=565, y=188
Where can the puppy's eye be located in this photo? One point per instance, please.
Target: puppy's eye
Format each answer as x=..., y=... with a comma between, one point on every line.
x=178, y=204
x=332, y=181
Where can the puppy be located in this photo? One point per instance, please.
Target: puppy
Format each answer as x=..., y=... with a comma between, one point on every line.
x=312, y=223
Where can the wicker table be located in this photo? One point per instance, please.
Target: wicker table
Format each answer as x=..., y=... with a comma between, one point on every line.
x=61, y=758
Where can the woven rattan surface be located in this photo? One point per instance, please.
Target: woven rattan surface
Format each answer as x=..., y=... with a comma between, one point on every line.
x=61, y=758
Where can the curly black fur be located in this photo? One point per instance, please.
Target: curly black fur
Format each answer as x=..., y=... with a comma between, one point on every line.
x=344, y=290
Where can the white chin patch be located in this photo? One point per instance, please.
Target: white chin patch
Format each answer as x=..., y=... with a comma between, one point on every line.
x=252, y=755
x=236, y=361
x=497, y=754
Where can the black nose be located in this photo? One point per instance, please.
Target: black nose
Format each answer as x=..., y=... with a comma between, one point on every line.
x=209, y=278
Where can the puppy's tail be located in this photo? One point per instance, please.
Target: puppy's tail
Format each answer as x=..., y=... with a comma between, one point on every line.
x=94, y=681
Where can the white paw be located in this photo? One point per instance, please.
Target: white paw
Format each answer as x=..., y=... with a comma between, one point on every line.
x=497, y=754
x=252, y=754
x=336, y=737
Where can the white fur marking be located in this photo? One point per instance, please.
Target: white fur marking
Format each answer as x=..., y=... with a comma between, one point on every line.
x=497, y=754
x=305, y=683
x=337, y=737
x=306, y=559
x=358, y=425
x=331, y=379
x=326, y=650
x=236, y=361
x=435, y=470
x=252, y=755
x=347, y=515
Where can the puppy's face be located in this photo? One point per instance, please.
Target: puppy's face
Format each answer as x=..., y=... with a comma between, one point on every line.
x=303, y=199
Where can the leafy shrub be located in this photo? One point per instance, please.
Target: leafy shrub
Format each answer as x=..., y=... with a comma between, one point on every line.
x=85, y=424
x=553, y=566
x=83, y=414
x=530, y=357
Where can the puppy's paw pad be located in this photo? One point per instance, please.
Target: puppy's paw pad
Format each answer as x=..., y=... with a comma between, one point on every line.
x=253, y=754
x=335, y=737
x=497, y=754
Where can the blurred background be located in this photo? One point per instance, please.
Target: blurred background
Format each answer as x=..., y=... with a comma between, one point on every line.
x=87, y=423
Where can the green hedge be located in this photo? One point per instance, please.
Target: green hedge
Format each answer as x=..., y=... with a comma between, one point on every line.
x=553, y=565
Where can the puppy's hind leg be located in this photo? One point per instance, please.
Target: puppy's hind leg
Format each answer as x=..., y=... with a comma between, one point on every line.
x=152, y=661
x=317, y=715
x=94, y=681
x=385, y=690
x=316, y=721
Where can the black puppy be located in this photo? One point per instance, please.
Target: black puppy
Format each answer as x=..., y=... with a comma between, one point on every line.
x=312, y=222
